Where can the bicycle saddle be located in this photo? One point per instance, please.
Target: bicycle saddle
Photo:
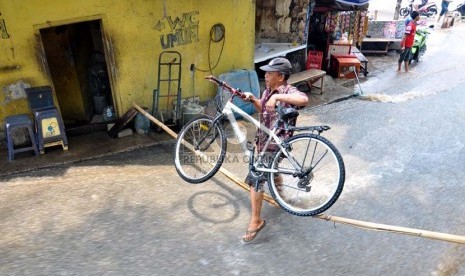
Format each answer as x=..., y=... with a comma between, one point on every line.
x=288, y=113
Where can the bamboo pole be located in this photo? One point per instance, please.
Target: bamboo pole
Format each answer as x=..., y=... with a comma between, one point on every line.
x=351, y=222
x=395, y=229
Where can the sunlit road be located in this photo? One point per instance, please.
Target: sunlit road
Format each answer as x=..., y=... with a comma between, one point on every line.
x=130, y=214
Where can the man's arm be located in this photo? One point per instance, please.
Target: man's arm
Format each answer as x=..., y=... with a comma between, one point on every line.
x=254, y=100
x=408, y=31
x=296, y=99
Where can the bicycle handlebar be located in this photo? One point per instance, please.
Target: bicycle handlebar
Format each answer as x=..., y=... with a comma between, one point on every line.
x=238, y=92
x=235, y=92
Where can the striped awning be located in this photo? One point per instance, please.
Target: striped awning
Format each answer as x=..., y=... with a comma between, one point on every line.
x=353, y=2
x=342, y=5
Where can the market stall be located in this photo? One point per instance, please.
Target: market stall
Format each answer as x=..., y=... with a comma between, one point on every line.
x=336, y=28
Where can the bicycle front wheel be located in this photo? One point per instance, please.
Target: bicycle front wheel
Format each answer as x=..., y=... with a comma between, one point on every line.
x=200, y=150
x=311, y=179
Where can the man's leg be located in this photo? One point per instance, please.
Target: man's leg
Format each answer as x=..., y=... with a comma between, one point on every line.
x=406, y=57
x=256, y=200
x=401, y=59
x=440, y=15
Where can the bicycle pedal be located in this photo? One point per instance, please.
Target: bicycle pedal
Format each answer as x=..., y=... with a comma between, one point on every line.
x=250, y=146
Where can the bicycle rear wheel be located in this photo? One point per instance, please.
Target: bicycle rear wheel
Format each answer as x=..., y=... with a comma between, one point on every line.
x=200, y=150
x=312, y=193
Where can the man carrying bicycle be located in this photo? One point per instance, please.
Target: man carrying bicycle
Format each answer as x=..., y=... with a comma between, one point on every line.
x=277, y=91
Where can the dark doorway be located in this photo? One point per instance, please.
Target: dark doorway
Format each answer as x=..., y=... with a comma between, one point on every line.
x=76, y=61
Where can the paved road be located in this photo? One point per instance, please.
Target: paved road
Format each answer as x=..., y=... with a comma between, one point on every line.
x=130, y=214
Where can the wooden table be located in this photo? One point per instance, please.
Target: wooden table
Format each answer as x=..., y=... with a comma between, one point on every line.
x=310, y=76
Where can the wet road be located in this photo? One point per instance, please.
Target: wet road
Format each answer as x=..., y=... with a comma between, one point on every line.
x=130, y=214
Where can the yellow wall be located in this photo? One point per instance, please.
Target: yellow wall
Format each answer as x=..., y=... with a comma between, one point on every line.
x=132, y=41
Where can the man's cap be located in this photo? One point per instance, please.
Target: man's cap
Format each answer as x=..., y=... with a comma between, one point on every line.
x=281, y=65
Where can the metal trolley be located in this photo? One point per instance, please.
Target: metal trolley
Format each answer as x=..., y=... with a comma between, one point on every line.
x=167, y=96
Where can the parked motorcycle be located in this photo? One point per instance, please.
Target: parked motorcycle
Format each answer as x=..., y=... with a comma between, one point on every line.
x=419, y=45
x=429, y=9
x=459, y=11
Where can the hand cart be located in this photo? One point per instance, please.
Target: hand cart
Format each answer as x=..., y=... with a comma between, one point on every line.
x=166, y=105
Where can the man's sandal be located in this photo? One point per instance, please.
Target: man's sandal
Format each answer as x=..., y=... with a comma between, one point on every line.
x=253, y=232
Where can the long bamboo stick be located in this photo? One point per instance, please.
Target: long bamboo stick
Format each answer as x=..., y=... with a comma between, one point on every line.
x=395, y=229
x=352, y=222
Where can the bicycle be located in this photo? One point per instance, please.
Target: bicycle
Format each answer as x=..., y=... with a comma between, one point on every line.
x=310, y=166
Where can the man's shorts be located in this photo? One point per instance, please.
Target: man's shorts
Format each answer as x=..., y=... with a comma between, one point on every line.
x=405, y=55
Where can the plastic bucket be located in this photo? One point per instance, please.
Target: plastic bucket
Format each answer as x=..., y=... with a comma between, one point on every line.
x=191, y=111
x=142, y=123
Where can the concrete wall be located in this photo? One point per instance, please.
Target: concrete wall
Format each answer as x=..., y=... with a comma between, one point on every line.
x=281, y=20
x=134, y=34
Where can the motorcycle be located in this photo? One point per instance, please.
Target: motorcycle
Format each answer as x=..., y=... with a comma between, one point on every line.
x=459, y=11
x=429, y=9
x=419, y=44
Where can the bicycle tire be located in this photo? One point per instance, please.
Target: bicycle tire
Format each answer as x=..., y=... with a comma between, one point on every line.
x=404, y=12
x=319, y=191
x=200, y=165
x=432, y=12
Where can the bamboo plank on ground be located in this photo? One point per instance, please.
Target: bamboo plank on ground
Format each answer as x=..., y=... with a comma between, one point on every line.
x=352, y=222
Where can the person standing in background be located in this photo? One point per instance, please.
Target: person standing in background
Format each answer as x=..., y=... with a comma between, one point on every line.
x=444, y=8
x=407, y=41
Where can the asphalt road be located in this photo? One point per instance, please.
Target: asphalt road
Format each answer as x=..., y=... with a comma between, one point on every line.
x=130, y=214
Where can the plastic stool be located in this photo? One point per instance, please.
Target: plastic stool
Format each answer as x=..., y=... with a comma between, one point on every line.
x=19, y=121
x=50, y=129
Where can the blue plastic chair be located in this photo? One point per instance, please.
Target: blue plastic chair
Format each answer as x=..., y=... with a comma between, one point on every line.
x=16, y=122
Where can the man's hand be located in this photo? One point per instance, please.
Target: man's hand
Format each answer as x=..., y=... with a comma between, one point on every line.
x=271, y=104
x=248, y=97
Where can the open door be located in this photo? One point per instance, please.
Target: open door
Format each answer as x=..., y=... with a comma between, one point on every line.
x=76, y=60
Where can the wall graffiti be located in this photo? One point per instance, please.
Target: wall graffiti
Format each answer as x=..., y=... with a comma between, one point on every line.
x=3, y=30
x=178, y=31
x=386, y=29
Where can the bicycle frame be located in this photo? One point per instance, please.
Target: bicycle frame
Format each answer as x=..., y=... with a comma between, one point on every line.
x=228, y=111
x=305, y=173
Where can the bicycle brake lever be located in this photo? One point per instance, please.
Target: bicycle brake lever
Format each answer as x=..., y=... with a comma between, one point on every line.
x=214, y=80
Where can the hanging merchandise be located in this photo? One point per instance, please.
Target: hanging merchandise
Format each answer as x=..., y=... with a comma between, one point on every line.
x=355, y=26
x=331, y=22
x=328, y=22
x=346, y=26
x=362, y=27
x=347, y=22
x=352, y=22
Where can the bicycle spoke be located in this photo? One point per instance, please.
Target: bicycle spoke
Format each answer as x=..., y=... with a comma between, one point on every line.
x=316, y=190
